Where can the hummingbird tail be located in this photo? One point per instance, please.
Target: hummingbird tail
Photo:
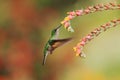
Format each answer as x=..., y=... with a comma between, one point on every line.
x=44, y=59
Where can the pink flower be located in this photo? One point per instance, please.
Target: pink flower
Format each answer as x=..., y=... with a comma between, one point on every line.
x=66, y=19
x=84, y=39
x=70, y=17
x=66, y=25
x=82, y=43
x=77, y=50
x=79, y=12
x=63, y=22
x=72, y=13
x=88, y=37
x=87, y=11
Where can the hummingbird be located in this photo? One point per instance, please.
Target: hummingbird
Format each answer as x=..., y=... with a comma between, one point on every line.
x=53, y=43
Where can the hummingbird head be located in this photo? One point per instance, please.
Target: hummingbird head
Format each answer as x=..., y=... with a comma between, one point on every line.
x=55, y=31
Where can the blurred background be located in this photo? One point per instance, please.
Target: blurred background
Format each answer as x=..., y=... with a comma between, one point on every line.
x=25, y=27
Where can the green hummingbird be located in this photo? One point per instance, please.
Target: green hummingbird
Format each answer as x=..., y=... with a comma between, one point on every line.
x=53, y=43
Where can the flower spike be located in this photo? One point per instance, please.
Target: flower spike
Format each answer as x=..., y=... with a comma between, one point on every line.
x=88, y=10
x=79, y=47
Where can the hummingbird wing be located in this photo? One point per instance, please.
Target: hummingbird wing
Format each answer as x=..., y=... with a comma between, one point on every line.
x=45, y=57
x=54, y=44
x=58, y=42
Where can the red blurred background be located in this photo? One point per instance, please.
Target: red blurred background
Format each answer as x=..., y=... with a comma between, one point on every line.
x=21, y=40
x=25, y=27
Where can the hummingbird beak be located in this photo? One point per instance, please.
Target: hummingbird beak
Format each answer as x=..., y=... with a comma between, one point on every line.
x=44, y=58
x=55, y=32
x=58, y=26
